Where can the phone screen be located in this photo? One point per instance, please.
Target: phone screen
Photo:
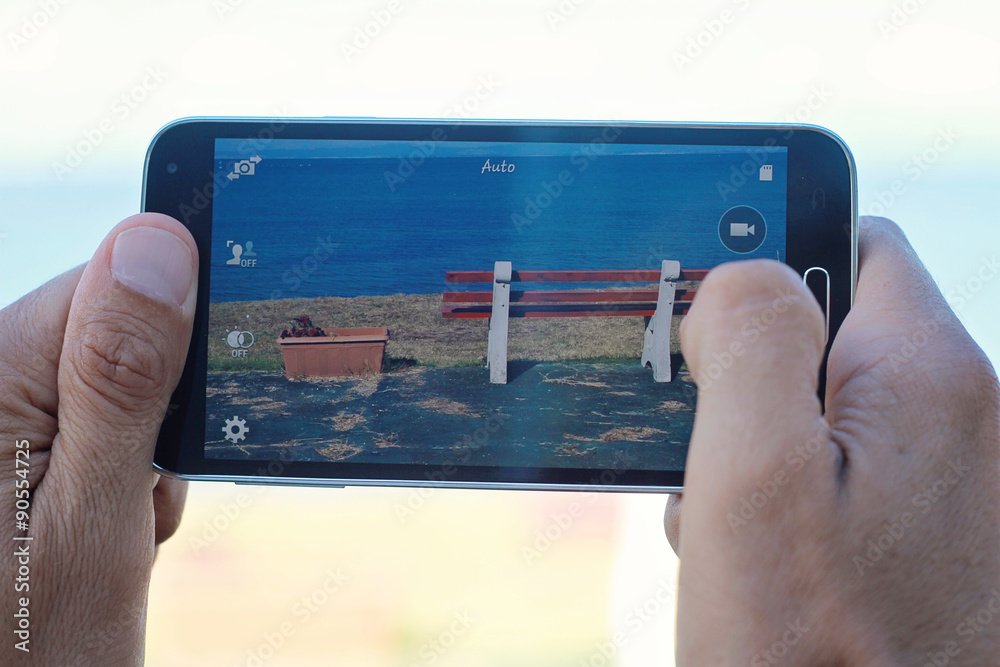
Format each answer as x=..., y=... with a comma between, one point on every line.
x=353, y=297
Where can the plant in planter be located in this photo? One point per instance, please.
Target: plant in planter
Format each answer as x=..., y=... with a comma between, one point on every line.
x=302, y=327
x=309, y=351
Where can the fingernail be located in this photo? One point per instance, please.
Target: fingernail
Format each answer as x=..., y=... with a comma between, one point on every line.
x=154, y=262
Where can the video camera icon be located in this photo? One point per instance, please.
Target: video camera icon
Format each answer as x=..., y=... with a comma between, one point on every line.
x=742, y=229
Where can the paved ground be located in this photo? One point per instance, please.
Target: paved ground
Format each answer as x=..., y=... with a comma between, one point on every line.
x=551, y=415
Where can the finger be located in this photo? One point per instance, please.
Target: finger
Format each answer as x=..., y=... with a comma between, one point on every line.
x=32, y=330
x=672, y=521
x=895, y=294
x=753, y=341
x=126, y=341
x=900, y=332
x=169, y=495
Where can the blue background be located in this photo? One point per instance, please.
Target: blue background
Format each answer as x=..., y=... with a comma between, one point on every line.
x=622, y=210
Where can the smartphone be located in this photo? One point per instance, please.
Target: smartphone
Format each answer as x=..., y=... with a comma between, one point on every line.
x=472, y=303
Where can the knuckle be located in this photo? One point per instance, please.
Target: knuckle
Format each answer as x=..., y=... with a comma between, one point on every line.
x=120, y=357
x=981, y=383
x=875, y=232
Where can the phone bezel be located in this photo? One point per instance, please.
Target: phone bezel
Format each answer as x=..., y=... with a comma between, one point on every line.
x=820, y=168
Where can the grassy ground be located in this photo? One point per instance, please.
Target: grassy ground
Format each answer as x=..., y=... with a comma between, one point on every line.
x=419, y=335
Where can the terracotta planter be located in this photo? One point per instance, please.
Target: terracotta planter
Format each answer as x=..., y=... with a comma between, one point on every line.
x=349, y=352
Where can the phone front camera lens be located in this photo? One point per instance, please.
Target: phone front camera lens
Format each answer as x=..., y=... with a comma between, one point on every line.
x=172, y=168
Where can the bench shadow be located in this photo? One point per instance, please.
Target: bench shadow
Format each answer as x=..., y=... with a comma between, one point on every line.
x=392, y=364
x=675, y=365
x=517, y=368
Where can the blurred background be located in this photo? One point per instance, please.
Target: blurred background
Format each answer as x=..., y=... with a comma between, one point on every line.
x=372, y=577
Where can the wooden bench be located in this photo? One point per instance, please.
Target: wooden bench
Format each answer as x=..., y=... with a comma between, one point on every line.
x=657, y=306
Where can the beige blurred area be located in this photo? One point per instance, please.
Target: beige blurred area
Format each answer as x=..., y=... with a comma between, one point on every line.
x=377, y=577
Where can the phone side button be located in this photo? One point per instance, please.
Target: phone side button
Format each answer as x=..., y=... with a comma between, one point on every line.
x=824, y=289
x=265, y=481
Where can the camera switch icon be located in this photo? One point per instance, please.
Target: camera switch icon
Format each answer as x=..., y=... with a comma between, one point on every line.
x=244, y=168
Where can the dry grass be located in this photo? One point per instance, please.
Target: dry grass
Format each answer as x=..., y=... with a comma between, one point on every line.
x=389, y=440
x=338, y=451
x=574, y=381
x=249, y=401
x=626, y=433
x=270, y=406
x=629, y=433
x=346, y=422
x=418, y=333
x=578, y=438
x=573, y=450
x=447, y=406
x=366, y=385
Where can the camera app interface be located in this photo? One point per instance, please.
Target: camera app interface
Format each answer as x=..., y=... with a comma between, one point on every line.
x=470, y=303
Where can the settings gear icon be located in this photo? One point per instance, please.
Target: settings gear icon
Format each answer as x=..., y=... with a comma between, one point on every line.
x=235, y=429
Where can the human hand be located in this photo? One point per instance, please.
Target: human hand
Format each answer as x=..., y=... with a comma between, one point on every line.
x=87, y=365
x=868, y=535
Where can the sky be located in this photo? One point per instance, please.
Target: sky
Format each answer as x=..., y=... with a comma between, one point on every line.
x=102, y=78
x=912, y=86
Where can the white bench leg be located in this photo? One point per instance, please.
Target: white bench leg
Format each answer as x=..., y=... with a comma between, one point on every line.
x=496, y=351
x=656, y=343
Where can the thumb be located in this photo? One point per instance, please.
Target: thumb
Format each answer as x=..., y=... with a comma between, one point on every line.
x=126, y=341
x=753, y=341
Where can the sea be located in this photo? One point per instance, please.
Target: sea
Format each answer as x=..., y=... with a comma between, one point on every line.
x=373, y=226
